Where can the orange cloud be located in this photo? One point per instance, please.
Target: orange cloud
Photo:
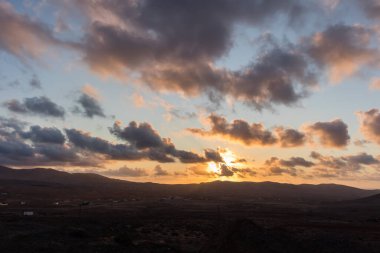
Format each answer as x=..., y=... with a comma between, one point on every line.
x=24, y=37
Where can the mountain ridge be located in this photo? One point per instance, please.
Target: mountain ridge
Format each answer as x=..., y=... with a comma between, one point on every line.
x=57, y=184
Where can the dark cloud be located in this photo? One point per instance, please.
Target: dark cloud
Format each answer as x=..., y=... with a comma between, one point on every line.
x=290, y=137
x=277, y=171
x=280, y=76
x=36, y=105
x=188, y=157
x=44, y=135
x=143, y=136
x=238, y=130
x=370, y=125
x=159, y=171
x=175, y=33
x=251, y=134
x=143, y=143
x=126, y=172
x=213, y=155
x=15, y=106
x=35, y=82
x=140, y=135
x=12, y=148
x=362, y=158
x=275, y=166
x=296, y=161
x=89, y=106
x=243, y=172
x=47, y=148
x=174, y=46
x=343, y=165
x=226, y=171
x=179, y=114
x=331, y=134
x=14, y=128
x=113, y=151
x=371, y=8
x=292, y=162
x=343, y=50
x=11, y=124
x=58, y=153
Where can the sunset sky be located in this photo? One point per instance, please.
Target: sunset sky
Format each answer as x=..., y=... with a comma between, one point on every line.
x=183, y=91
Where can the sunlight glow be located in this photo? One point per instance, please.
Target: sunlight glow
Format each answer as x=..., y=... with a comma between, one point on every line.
x=229, y=159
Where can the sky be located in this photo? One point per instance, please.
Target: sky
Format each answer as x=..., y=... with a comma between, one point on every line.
x=190, y=91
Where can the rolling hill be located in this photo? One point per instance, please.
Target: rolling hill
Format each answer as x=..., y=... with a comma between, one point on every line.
x=52, y=184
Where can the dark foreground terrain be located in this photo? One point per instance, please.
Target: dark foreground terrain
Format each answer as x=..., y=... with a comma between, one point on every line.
x=48, y=212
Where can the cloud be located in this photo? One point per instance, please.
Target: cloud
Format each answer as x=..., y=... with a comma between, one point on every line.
x=113, y=151
x=140, y=135
x=200, y=170
x=121, y=39
x=292, y=162
x=15, y=106
x=11, y=124
x=35, y=82
x=89, y=106
x=143, y=142
x=213, y=155
x=343, y=50
x=47, y=147
x=138, y=100
x=144, y=137
x=238, y=130
x=18, y=28
x=226, y=171
x=36, y=105
x=362, y=158
x=126, y=172
x=59, y=153
x=290, y=137
x=159, y=171
x=251, y=134
x=330, y=5
x=180, y=114
x=361, y=143
x=275, y=166
x=321, y=166
x=14, y=149
x=91, y=91
x=331, y=134
x=375, y=84
x=370, y=125
x=277, y=171
x=330, y=166
x=39, y=134
x=371, y=8
x=164, y=43
x=278, y=76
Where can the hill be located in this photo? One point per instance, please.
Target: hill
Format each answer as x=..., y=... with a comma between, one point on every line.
x=53, y=184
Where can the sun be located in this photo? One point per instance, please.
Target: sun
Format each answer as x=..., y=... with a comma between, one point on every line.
x=229, y=159
x=213, y=167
